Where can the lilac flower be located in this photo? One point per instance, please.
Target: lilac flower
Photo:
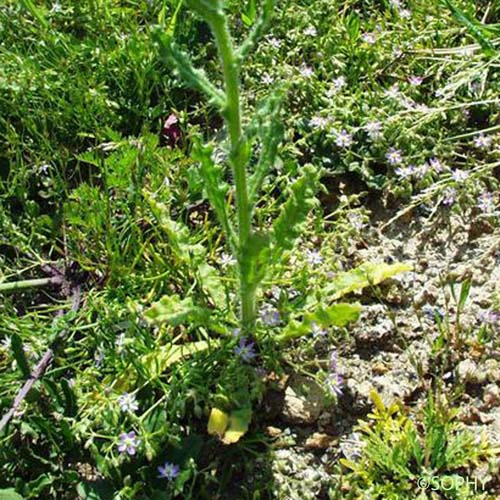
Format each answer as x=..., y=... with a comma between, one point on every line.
x=317, y=331
x=334, y=381
x=313, y=257
x=405, y=13
x=310, y=31
x=432, y=312
x=356, y=221
x=128, y=443
x=395, y=3
x=99, y=357
x=306, y=71
x=436, y=165
x=393, y=91
x=339, y=82
x=318, y=122
x=274, y=42
x=44, y=168
x=482, y=141
x=415, y=80
x=460, y=175
x=422, y=170
x=369, y=38
x=394, y=156
x=245, y=350
x=236, y=332
x=374, y=129
x=486, y=202
x=343, y=139
x=269, y=315
x=449, y=196
x=169, y=471
x=128, y=403
x=489, y=317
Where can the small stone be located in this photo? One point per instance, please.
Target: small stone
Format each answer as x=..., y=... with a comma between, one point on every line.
x=467, y=371
x=304, y=400
x=491, y=395
x=319, y=441
x=273, y=431
x=379, y=368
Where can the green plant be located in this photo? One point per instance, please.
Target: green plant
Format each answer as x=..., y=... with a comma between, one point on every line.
x=396, y=452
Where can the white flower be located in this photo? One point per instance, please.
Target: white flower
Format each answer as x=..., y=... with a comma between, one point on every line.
x=227, y=260
x=405, y=13
x=128, y=403
x=393, y=91
x=56, y=7
x=267, y=79
x=310, y=31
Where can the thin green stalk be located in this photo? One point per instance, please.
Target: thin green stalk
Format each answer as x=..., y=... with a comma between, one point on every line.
x=24, y=284
x=232, y=113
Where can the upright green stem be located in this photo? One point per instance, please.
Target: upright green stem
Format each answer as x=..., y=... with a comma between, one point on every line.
x=237, y=158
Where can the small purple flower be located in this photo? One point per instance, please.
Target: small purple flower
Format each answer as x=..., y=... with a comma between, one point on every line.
x=274, y=42
x=128, y=443
x=459, y=175
x=269, y=315
x=369, y=38
x=334, y=381
x=393, y=91
x=394, y=156
x=422, y=170
x=432, y=312
x=306, y=71
x=313, y=257
x=482, y=141
x=489, y=317
x=486, y=202
x=168, y=471
x=449, y=196
x=317, y=331
x=415, y=80
x=374, y=129
x=436, y=165
x=318, y=122
x=128, y=403
x=236, y=332
x=245, y=350
x=343, y=139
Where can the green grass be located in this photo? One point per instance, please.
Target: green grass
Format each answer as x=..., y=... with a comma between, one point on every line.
x=90, y=185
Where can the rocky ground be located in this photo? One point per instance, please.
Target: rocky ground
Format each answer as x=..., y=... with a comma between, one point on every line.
x=390, y=348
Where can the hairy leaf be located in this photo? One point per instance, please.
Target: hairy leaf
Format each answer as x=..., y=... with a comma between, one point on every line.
x=239, y=420
x=175, y=311
x=215, y=187
x=300, y=201
x=365, y=275
x=334, y=315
